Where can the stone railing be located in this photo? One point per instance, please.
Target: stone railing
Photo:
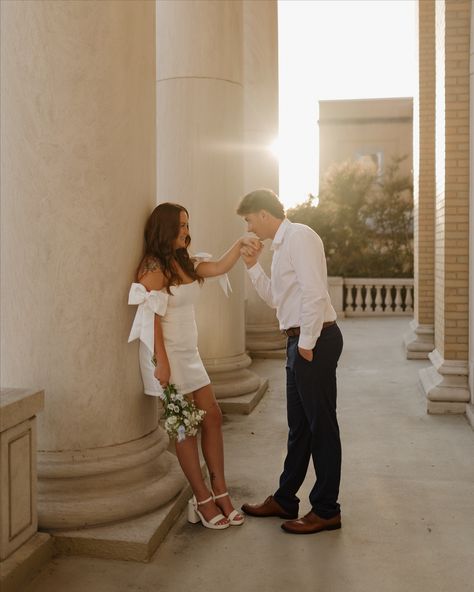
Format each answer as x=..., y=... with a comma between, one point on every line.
x=372, y=296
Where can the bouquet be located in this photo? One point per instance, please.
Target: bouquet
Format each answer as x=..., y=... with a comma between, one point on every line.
x=182, y=417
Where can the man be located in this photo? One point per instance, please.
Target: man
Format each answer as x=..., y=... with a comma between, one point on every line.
x=298, y=291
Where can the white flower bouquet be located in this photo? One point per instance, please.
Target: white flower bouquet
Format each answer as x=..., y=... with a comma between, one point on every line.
x=182, y=417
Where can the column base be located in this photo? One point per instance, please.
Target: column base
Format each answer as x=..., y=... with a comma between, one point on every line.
x=262, y=340
x=445, y=385
x=244, y=404
x=79, y=489
x=130, y=540
x=419, y=342
x=20, y=567
x=230, y=377
x=274, y=354
x=470, y=414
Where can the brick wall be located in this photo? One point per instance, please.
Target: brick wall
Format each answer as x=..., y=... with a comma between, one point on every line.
x=452, y=178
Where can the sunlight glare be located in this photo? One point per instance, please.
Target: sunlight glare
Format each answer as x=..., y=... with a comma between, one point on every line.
x=274, y=148
x=335, y=50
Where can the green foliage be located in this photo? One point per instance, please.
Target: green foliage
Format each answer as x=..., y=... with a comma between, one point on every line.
x=366, y=223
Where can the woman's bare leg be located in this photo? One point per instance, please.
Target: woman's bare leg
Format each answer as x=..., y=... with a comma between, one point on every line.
x=212, y=444
x=188, y=457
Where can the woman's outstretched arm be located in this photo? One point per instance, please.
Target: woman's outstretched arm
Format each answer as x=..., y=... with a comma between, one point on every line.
x=213, y=268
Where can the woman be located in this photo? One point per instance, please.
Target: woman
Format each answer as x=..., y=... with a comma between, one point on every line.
x=172, y=278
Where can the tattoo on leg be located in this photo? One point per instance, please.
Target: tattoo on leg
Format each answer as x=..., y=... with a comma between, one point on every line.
x=212, y=476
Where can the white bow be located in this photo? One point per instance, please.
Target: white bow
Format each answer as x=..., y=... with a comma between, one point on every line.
x=149, y=304
x=223, y=280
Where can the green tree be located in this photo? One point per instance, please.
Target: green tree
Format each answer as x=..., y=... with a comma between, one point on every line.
x=366, y=223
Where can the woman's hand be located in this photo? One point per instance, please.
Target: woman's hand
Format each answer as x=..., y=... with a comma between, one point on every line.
x=162, y=373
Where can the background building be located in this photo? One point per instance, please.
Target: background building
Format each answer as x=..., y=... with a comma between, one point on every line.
x=365, y=129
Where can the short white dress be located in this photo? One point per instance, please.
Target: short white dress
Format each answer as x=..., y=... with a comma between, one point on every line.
x=179, y=333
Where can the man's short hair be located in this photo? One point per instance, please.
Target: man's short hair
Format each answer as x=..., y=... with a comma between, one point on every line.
x=261, y=199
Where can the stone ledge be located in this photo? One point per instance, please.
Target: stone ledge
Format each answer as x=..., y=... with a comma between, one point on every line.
x=445, y=408
x=130, y=540
x=244, y=404
x=18, y=405
x=25, y=562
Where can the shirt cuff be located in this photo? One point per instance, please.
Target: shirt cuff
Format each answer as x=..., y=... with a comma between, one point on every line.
x=255, y=271
x=306, y=342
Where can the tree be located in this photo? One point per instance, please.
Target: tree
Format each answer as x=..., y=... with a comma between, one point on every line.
x=366, y=223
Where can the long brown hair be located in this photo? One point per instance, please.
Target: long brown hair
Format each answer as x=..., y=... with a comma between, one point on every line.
x=161, y=230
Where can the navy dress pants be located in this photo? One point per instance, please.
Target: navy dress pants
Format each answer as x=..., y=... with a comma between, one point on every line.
x=313, y=429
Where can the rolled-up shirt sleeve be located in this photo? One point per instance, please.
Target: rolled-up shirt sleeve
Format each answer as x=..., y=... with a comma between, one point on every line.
x=261, y=283
x=309, y=263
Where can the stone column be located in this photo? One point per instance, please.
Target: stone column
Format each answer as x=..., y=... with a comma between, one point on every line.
x=263, y=336
x=445, y=383
x=200, y=163
x=420, y=341
x=470, y=406
x=78, y=181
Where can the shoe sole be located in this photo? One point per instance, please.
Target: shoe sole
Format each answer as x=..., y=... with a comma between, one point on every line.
x=334, y=527
x=282, y=516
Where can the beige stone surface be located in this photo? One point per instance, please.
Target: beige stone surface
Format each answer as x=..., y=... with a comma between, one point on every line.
x=130, y=540
x=23, y=565
x=407, y=495
x=18, y=472
x=260, y=164
x=419, y=341
x=78, y=182
x=199, y=40
x=17, y=404
x=78, y=178
x=445, y=384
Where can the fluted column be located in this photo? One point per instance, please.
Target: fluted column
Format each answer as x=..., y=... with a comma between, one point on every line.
x=263, y=336
x=78, y=181
x=420, y=341
x=200, y=162
x=446, y=382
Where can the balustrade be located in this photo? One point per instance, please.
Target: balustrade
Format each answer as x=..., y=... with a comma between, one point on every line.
x=378, y=297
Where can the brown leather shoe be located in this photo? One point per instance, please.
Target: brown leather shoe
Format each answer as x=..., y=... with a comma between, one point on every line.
x=312, y=523
x=270, y=507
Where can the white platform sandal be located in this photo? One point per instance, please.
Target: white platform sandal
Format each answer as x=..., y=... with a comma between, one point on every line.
x=195, y=516
x=235, y=518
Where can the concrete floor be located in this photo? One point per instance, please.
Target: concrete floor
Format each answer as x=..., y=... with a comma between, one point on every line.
x=407, y=496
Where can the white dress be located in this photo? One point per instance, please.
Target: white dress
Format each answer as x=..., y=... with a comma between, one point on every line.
x=179, y=335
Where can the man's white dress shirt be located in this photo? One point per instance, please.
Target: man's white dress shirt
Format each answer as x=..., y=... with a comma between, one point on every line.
x=298, y=284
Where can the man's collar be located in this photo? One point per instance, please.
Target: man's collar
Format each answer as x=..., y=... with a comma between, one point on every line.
x=280, y=234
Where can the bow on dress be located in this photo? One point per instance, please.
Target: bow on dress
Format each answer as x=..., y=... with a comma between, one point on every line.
x=149, y=304
x=223, y=279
